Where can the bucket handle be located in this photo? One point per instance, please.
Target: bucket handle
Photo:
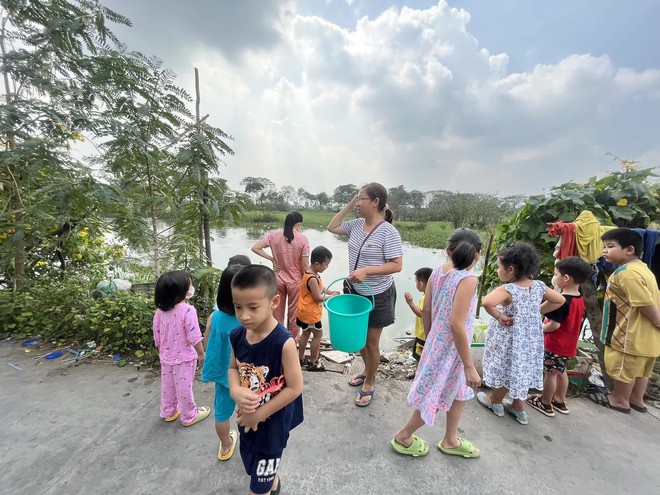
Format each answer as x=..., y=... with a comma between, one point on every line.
x=325, y=293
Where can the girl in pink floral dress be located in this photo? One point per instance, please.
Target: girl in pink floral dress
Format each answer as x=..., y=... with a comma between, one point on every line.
x=446, y=374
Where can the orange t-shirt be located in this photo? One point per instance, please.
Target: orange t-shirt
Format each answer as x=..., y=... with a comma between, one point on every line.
x=309, y=310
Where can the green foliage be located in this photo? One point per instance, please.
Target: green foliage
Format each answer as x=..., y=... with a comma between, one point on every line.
x=122, y=323
x=432, y=235
x=625, y=199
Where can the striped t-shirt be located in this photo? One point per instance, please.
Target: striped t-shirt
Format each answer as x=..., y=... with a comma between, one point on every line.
x=382, y=246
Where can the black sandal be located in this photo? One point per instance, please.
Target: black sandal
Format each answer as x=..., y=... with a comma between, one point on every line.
x=316, y=366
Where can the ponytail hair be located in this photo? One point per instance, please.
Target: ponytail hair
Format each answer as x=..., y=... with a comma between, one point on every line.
x=291, y=219
x=462, y=247
x=377, y=191
x=463, y=256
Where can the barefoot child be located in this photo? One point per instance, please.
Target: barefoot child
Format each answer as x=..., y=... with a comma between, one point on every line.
x=179, y=341
x=631, y=322
x=421, y=279
x=446, y=374
x=310, y=307
x=561, y=333
x=265, y=379
x=513, y=357
x=216, y=365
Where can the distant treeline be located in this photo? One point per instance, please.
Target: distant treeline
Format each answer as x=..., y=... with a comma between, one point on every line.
x=474, y=210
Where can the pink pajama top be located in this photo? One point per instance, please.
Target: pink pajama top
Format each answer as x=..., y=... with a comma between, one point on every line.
x=176, y=332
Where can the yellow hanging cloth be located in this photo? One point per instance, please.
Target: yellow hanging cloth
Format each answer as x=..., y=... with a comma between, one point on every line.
x=587, y=236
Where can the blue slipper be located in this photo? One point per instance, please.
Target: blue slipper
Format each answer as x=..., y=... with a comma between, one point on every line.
x=364, y=394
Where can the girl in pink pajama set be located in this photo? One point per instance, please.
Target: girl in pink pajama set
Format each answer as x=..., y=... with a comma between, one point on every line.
x=179, y=341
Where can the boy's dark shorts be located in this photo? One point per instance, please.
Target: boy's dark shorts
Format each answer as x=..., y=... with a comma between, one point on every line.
x=260, y=466
x=308, y=326
x=383, y=313
x=418, y=347
x=553, y=363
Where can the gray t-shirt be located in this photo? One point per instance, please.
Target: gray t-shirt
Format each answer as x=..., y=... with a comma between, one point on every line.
x=382, y=246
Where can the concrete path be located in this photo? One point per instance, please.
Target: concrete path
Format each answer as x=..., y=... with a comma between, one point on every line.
x=94, y=429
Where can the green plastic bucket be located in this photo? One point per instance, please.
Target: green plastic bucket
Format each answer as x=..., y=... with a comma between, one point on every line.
x=348, y=319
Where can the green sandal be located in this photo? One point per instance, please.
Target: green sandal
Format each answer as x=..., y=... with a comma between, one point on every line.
x=466, y=449
x=417, y=448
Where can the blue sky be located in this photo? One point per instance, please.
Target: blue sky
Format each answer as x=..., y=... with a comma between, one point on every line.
x=506, y=96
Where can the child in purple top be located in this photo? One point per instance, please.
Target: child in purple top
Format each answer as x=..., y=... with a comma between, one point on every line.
x=179, y=341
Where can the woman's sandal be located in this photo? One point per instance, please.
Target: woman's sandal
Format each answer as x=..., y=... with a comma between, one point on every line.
x=466, y=449
x=362, y=395
x=357, y=380
x=417, y=448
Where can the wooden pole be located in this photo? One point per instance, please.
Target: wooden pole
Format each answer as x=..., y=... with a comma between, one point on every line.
x=484, y=274
x=204, y=221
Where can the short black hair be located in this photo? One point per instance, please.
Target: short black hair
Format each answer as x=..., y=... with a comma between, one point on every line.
x=252, y=276
x=625, y=237
x=424, y=274
x=239, y=259
x=171, y=289
x=320, y=254
x=575, y=267
x=523, y=257
x=224, y=299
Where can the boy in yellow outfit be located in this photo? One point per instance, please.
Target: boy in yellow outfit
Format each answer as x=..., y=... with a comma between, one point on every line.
x=631, y=322
x=421, y=279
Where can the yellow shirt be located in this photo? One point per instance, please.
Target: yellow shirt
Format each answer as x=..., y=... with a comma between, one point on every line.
x=419, y=324
x=625, y=328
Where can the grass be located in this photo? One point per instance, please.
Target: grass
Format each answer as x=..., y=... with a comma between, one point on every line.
x=431, y=235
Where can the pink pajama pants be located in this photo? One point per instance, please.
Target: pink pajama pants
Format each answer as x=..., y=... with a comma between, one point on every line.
x=176, y=390
x=293, y=291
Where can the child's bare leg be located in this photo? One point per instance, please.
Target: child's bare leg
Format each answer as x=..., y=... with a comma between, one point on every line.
x=497, y=395
x=518, y=404
x=302, y=344
x=316, y=345
x=404, y=435
x=562, y=388
x=451, y=441
x=638, y=391
x=550, y=387
x=222, y=429
x=620, y=397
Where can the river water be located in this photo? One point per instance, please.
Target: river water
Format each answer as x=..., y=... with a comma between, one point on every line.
x=228, y=242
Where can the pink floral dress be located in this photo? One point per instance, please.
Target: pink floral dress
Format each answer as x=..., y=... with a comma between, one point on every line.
x=440, y=378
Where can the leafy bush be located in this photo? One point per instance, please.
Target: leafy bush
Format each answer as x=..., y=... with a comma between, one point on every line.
x=122, y=323
x=624, y=199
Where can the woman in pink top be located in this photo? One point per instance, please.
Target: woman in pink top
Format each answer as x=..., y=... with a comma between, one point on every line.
x=290, y=257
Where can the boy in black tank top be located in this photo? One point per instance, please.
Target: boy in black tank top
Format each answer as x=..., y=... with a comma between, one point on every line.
x=265, y=379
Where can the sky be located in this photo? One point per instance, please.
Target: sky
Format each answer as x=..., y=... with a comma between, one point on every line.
x=505, y=97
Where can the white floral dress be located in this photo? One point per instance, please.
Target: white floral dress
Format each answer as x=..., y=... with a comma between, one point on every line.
x=513, y=357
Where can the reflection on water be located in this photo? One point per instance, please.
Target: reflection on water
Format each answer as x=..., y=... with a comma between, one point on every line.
x=228, y=242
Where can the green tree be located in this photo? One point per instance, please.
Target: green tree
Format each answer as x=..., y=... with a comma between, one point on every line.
x=258, y=188
x=55, y=56
x=343, y=194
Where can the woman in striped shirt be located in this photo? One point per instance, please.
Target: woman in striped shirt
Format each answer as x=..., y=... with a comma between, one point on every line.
x=374, y=253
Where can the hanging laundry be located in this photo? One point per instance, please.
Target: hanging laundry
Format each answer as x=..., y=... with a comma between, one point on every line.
x=566, y=233
x=587, y=236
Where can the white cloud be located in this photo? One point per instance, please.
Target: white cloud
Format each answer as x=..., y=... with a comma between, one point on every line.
x=410, y=97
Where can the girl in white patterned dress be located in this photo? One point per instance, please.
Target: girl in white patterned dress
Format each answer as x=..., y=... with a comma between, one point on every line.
x=513, y=358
